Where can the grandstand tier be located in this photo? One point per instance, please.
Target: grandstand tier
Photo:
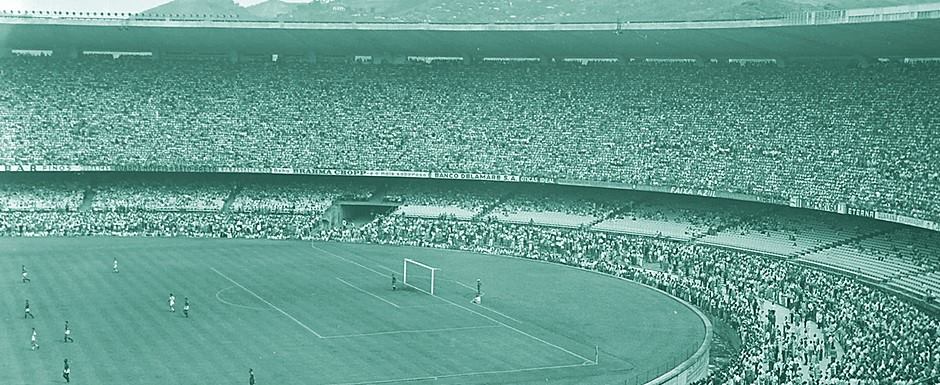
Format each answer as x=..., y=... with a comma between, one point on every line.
x=753, y=132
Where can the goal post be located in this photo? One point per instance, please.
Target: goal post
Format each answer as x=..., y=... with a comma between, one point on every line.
x=419, y=276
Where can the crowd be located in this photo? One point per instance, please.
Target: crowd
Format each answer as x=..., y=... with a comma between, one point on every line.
x=48, y=196
x=472, y=195
x=288, y=198
x=159, y=224
x=582, y=202
x=823, y=134
x=151, y=196
x=869, y=337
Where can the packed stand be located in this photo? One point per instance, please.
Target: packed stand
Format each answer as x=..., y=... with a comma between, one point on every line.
x=597, y=203
x=40, y=196
x=870, y=337
x=760, y=130
x=159, y=224
x=160, y=196
x=293, y=197
x=467, y=195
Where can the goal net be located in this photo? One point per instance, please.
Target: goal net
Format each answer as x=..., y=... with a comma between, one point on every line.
x=419, y=276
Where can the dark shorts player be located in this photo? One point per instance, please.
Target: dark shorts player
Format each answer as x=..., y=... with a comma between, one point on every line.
x=186, y=307
x=394, y=283
x=25, y=275
x=66, y=372
x=251, y=377
x=28, y=314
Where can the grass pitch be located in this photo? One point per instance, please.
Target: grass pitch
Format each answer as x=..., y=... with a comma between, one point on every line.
x=322, y=313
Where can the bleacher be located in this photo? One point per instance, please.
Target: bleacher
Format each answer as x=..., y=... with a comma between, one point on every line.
x=40, y=195
x=160, y=196
x=285, y=198
x=647, y=227
x=757, y=130
x=852, y=260
x=919, y=284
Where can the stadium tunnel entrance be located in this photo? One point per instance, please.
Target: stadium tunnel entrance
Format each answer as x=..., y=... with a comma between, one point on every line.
x=352, y=213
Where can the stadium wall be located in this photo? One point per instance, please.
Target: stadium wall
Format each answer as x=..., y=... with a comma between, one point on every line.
x=696, y=367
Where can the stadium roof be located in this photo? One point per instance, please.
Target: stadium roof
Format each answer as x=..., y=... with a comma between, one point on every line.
x=909, y=31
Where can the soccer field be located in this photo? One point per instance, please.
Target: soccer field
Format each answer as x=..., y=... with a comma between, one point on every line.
x=323, y=313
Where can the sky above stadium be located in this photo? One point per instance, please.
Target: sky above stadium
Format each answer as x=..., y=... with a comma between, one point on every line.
x=98, y=5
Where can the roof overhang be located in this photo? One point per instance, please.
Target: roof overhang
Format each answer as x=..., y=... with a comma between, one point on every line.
x=914, y=35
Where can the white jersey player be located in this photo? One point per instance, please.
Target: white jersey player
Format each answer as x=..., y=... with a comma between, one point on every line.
x=172, y=302
x=68, y=333
x=477, y=299
x=114, y=269
x=33, y=339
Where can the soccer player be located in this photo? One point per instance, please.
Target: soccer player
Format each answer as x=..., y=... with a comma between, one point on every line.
x=186, y=306
x=394, y=281
x=68, y=333
x=251, y=376
x=25, y=275
x=114, y=269
x=172, y=302
x=28, y=313
x=478, y=287
x=35, y=344
x=477, y=299
x=66, y=371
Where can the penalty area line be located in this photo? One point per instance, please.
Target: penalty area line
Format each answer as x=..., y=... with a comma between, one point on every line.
x=218, y=297
x=485, y=307
x=269, y=303
x=387, y=269
x=467, y=374
x=366, y=292
x=347, y=260
x=454, y=329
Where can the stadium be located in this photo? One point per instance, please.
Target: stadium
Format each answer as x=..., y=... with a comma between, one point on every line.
x=366, y=192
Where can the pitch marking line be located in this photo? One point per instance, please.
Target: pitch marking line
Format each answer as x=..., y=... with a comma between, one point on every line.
x=467, y=374
x=347, y=260
x=422, y=306
x=484, y=307
x=412, y=331
x=516, y=330
x=586, y=360
x=387, y=269
x=466, y=286
x=269, y=304
x=218, y=297
x=366, y=292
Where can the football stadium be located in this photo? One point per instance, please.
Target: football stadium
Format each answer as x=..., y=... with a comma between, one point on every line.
x=491, y=192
